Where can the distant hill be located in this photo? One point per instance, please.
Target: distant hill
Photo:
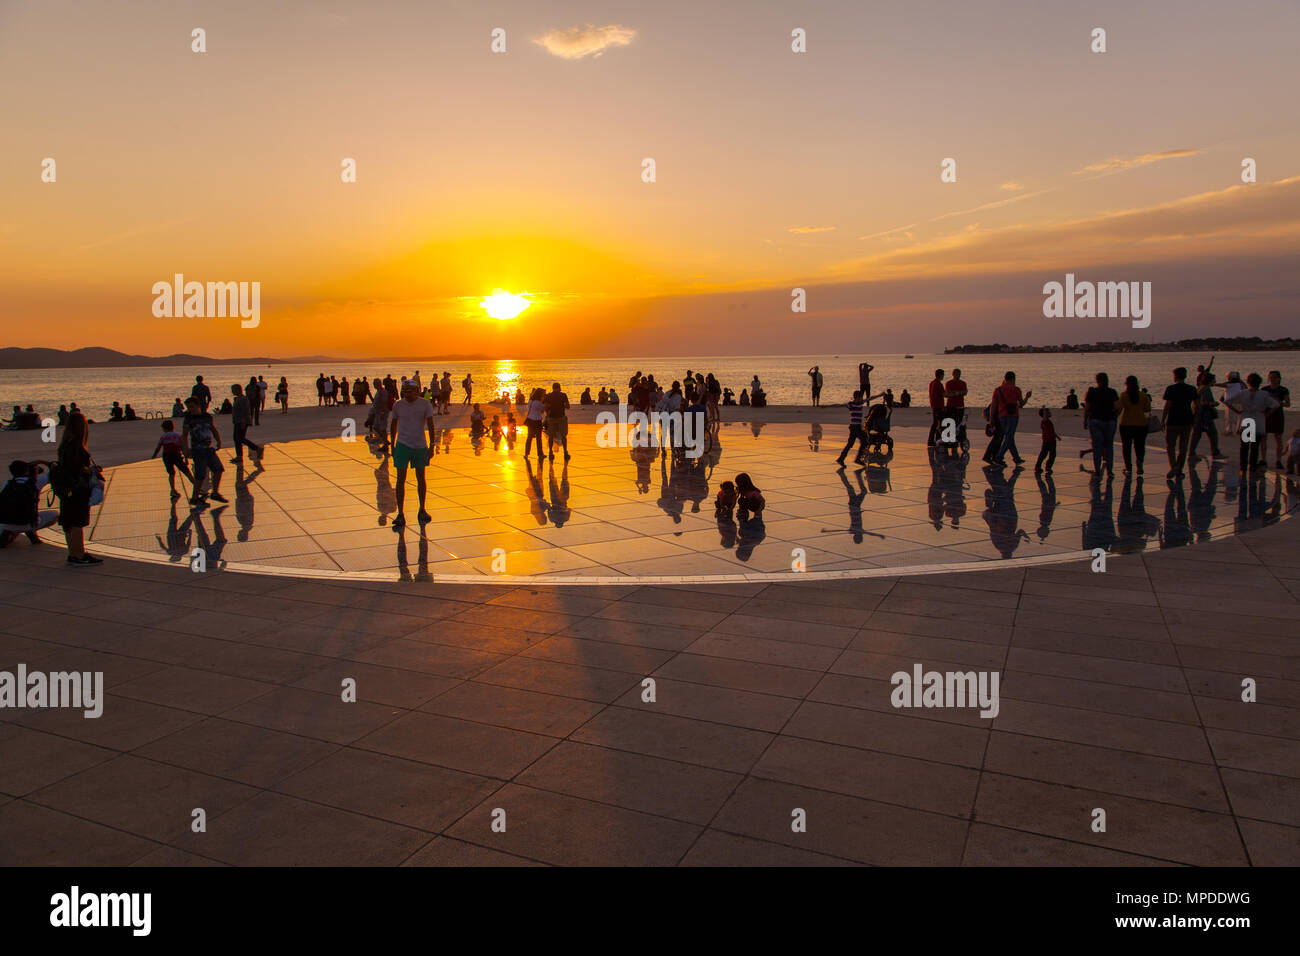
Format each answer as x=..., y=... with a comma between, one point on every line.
x=110, y=358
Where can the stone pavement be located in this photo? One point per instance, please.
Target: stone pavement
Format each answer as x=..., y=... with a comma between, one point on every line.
x=1119, y=691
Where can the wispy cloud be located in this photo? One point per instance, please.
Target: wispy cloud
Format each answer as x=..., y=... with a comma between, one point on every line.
x=802, y=230
x=1011, y=187
x=574, y=43
x=1117, y=163
x=994, y=204
x=1261, y=219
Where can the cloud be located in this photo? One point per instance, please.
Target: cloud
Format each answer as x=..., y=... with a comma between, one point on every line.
x=1240, y=220
x=801, y=230
x=574, y=43
x=1011, y=187
x=1118, y=163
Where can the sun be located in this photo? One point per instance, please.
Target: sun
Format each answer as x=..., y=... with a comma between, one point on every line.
x=504, y=305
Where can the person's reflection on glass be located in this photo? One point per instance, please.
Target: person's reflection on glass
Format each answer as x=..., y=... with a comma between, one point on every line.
x=422, y=569
x=403, y=565
x=642, y=457
x=954, y=488
x=878, y=471
x=536, y=496
x=244, y=503
x=815, y=437
x=559, y=495
x=933, y=494
x=177, y=544
x=213, y=546
x=670, y=502
x=1047, y=503
x=385, y=493
x=1253, y=507
x=750, y=532
x=1200, y=504
x=1099, y=529
x=855, y=503
x=694, y=482
x=1135, y=524
x=1177, y=531
x=1000, y=511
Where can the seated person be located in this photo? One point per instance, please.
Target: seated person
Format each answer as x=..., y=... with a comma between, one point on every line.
x=744, y=396
x=115, y=413
x=603, y=397
x=178, y=410
x=225, y=408
x=20, y=502
x=585, y=398
x=726, y=501
x=131, y=416
x=748, y=498
x=613, y=397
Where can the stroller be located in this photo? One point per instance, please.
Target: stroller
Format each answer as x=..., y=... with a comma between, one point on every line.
x=877, y=427
x=960, y=444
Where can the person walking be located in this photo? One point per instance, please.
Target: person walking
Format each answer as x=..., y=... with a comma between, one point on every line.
x=241, y=417
x=533, y=422
x=1178, y=418
x=856, y=433
x=1048, y=451
x=557, y=421
x=1100, y=411
x=201, y=440
x=1206, y=413
x=1007, y=402
x=1134, y=416
x=468, y=385
x=411, y=417
x=77, y=472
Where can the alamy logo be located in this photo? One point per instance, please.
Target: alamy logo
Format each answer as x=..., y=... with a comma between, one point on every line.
x=37, y=689
x=213, y=300
x=647, y=429
x=74, y=908
x=951, y=689
x=1101, y=300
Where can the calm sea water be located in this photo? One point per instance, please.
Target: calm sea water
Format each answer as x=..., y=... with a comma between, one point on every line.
x=784, y=377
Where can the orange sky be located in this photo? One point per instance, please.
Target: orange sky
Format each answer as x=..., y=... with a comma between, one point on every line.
x=522, y=171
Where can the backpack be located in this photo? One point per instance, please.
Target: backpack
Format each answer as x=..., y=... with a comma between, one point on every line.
x=63, y=481
x=19, y=502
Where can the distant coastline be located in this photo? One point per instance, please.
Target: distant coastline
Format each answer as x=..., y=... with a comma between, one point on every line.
x=1220, y=344
x=94, y=357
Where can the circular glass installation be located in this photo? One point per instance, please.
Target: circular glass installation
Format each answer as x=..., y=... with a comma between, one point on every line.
x=614, y=513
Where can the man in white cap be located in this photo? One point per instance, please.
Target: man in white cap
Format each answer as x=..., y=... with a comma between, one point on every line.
x=410, y=418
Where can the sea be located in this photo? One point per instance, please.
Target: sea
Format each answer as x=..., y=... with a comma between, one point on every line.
x=151, y=391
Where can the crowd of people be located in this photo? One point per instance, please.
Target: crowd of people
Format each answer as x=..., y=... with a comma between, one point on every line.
x=401, y=424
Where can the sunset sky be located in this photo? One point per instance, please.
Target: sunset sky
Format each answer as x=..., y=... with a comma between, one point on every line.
x=521, y=171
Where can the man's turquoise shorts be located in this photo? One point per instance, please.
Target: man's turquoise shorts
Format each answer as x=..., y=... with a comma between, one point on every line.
x=404, y=456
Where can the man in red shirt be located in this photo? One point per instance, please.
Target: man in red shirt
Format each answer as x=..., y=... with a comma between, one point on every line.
x=955, y=390
x=936, y=404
